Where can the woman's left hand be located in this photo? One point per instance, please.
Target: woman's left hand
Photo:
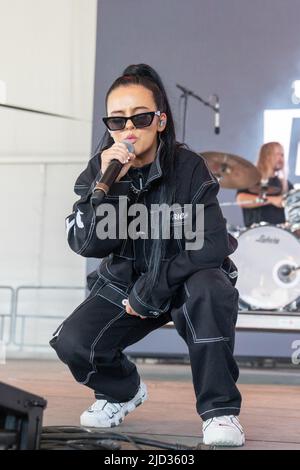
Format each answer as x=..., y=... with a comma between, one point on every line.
x=130, y=311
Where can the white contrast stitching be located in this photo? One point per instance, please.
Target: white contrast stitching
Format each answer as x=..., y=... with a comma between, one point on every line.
x=109, y=272
x=150, y=306
x=201, y=340
x=206, y=183
x=221, y=408
x=89, y=235
x=205, y=163
x=93, y=345
x=186, y=290
x=122, y=256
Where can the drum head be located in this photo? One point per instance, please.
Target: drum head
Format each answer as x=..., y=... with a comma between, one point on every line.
x=265, y=259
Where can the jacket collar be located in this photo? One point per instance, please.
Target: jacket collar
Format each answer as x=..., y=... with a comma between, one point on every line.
x=155, y=171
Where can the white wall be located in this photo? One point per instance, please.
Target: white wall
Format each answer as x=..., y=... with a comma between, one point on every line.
x=47, y=55
x=47, y=51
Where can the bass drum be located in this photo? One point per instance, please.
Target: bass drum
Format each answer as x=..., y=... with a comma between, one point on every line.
x=266, y=259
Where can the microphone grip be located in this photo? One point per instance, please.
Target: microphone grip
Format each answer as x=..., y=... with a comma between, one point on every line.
x=97, y=196
x=109, y=176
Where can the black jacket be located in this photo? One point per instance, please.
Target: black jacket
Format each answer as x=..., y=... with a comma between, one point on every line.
x=125, y=260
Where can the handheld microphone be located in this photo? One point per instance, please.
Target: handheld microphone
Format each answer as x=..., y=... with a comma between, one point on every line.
x=217, y=115
x=109, y=176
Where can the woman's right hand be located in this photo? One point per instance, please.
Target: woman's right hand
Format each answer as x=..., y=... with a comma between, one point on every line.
x=120, y=152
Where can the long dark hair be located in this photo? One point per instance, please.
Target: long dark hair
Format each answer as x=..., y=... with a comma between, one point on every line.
x=143, y=74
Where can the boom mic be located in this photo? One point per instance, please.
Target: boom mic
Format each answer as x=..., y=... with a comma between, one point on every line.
x=109, y=176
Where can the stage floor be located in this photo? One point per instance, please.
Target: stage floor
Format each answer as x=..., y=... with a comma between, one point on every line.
x=270, y=413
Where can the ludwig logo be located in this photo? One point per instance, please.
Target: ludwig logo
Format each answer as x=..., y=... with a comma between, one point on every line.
x=264, y=239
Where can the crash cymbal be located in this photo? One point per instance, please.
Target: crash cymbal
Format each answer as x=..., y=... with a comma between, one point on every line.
x=233, y=172
x=265, y=189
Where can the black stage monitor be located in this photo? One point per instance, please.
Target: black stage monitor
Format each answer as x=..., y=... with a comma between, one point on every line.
x=21, y=416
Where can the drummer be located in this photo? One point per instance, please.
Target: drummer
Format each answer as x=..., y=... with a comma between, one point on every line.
x=264, y=203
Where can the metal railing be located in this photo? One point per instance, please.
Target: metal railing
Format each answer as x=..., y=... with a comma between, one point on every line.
x=15, y=315
x=4, y=316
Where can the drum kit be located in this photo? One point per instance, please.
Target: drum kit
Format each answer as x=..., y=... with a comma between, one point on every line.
x=268, y=256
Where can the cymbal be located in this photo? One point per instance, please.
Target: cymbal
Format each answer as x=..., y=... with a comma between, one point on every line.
x=266, y=190
x=233, y=172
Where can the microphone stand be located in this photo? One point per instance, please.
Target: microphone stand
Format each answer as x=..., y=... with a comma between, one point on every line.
x=185, y=94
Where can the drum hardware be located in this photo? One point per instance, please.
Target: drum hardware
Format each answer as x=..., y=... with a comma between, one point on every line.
x=294, y=306
x=264, y=190
x=291, y=203
x=285, y=273
x=287, y=269
x=234, y=203
x=262, y=196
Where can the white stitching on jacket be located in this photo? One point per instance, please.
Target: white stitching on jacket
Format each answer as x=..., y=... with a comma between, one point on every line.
x=150, y=306
x=206, y=183
x=117, y=279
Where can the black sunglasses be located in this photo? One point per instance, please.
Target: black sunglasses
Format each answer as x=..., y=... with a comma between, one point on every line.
x=117, y=123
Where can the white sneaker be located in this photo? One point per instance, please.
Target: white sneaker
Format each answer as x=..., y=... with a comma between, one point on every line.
x=104, y=414
x=223, y=431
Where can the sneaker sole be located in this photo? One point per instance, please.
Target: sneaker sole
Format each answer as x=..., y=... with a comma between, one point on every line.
x=224, y=443
x=118, y=419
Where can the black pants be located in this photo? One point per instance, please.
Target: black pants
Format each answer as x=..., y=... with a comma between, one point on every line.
x=92, y=339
